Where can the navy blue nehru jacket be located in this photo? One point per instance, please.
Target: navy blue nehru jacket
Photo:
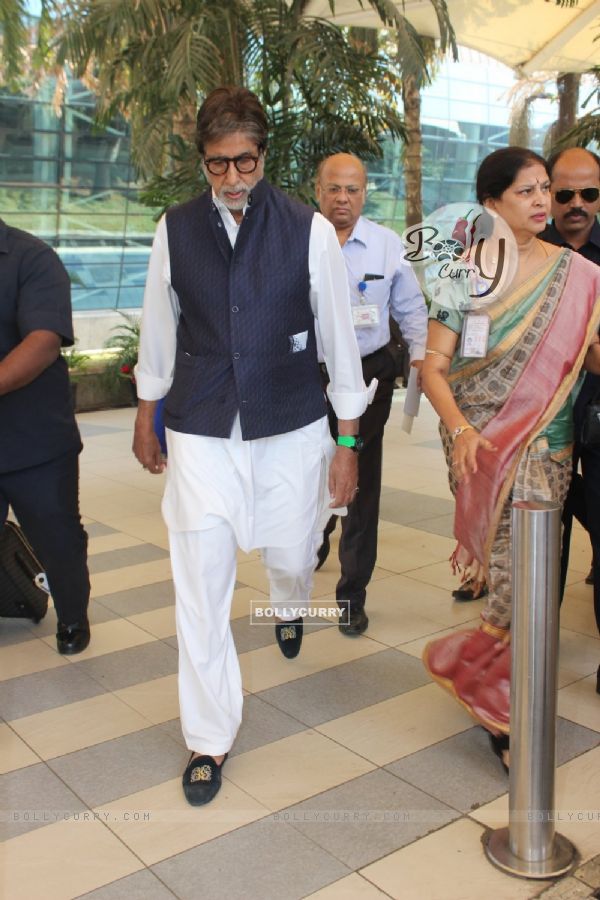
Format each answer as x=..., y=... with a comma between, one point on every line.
x=37, y=423
x=246, y=337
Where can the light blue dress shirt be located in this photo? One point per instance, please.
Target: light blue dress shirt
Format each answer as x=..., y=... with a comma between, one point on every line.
x=373, y=249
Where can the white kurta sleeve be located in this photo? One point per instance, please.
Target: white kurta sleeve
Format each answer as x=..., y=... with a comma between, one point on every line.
x=330, y=303
x=160, y=315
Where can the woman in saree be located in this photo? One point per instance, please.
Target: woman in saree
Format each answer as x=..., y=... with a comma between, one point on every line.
x=506, y=420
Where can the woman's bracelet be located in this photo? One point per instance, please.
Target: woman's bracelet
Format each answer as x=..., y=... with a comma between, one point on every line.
x=437, y=353
x=460, y=429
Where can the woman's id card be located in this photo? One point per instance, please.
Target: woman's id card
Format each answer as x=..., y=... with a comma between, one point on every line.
x=475, y=335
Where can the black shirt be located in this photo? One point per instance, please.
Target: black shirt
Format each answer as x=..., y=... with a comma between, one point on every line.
x=591, y=251
x=37, y=422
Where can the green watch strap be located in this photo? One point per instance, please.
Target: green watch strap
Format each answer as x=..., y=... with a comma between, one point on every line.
x=346, y=440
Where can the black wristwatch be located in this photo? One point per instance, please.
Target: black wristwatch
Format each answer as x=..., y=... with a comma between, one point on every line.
x=352, y=441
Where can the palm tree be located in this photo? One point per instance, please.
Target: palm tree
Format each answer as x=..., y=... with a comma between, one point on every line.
x=586, y=129
x=14, y=38
x=415, y=54
x=25, y=49
x=153, y=62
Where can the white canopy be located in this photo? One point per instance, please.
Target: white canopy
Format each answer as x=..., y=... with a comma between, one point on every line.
x=528, y=35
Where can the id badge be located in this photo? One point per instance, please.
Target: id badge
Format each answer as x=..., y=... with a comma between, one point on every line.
x=475, y=335
x=365, y=315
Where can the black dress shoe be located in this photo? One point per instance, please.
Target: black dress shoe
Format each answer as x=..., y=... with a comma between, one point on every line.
x=289, y=637
x=202, y=779
x=465, y=593
x=71, y=639
x=323, y=552
x=355, y=623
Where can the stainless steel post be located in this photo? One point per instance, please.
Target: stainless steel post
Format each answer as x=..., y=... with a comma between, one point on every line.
x=529, y=847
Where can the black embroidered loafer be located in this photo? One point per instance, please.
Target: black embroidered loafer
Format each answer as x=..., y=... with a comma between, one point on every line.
x=71, y=639
x=354, y=623
x=202, y=779
x=289, y=637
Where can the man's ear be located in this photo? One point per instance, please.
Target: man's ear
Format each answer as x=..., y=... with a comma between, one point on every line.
x=489, y=203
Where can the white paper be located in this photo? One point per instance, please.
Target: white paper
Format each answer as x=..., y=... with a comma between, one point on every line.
x=411, y=401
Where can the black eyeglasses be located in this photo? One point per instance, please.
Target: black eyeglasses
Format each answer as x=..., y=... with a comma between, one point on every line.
x=590, y=195
x=245, y=163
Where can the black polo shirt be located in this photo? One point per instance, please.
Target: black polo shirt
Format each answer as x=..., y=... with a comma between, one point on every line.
x=591, y=251
x=37, y=422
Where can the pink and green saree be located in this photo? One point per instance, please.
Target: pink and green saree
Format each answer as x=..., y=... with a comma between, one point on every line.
x=520, y=398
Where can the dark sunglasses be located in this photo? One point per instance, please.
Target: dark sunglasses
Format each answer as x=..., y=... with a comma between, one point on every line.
x=590, y=195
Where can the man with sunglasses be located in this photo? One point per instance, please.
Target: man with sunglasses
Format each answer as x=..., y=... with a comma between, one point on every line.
x=575, y=191
x=240, y=280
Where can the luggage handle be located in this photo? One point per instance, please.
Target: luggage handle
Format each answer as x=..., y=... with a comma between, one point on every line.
x=38, y=578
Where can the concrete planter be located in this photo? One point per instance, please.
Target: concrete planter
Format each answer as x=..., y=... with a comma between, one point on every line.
x=97, y=390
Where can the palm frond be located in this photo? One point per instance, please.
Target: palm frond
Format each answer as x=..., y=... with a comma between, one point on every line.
x=586, y=131
x=14, y=37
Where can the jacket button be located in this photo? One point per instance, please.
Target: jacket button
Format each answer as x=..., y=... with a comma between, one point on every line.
x=236, y=355
x=235, y=309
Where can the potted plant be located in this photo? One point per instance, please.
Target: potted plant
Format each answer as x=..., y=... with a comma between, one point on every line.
x=76, y=363
x=125, y=343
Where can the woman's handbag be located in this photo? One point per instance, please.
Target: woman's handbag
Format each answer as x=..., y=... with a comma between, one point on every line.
x=23, y=590
x=590, y=428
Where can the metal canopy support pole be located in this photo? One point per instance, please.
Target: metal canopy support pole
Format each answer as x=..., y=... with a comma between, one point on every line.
x=529, y=847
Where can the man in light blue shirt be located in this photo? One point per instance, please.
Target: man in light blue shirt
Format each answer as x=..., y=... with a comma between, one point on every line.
x=381, y=285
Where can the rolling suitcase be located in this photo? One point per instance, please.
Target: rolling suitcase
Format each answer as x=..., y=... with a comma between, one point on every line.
x=23, y=586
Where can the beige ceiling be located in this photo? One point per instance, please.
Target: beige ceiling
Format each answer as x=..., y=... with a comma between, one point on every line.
x=533, y=35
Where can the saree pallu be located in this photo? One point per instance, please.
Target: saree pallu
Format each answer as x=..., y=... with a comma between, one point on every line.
x=538, y=339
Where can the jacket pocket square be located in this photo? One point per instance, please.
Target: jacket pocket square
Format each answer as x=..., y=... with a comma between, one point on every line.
x=298, y=341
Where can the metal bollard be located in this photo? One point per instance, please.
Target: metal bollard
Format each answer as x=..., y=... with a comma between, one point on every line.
x=529, y=847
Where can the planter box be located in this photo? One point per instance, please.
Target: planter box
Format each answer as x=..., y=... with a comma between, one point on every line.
x=96, y=390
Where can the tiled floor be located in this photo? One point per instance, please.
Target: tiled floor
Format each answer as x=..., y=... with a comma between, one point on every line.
x=352, y=776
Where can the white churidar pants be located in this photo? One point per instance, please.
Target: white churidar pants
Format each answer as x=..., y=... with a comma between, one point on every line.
x=270, y=494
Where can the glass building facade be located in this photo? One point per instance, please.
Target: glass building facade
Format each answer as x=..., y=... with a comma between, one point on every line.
x=465, y=114
x=74, y=186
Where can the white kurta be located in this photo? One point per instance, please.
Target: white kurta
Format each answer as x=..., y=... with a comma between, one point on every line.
x=266, y=488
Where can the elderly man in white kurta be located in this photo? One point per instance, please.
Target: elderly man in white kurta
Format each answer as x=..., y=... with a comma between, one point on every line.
x=240, y=279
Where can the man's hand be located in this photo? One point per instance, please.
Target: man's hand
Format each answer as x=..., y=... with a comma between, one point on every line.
x=418, y=365
x=146, y=445
x=343, y=477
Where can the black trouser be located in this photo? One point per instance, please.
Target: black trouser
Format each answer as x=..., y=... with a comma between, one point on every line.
x=358, y=544
x=45, y=500
x=583, y=503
